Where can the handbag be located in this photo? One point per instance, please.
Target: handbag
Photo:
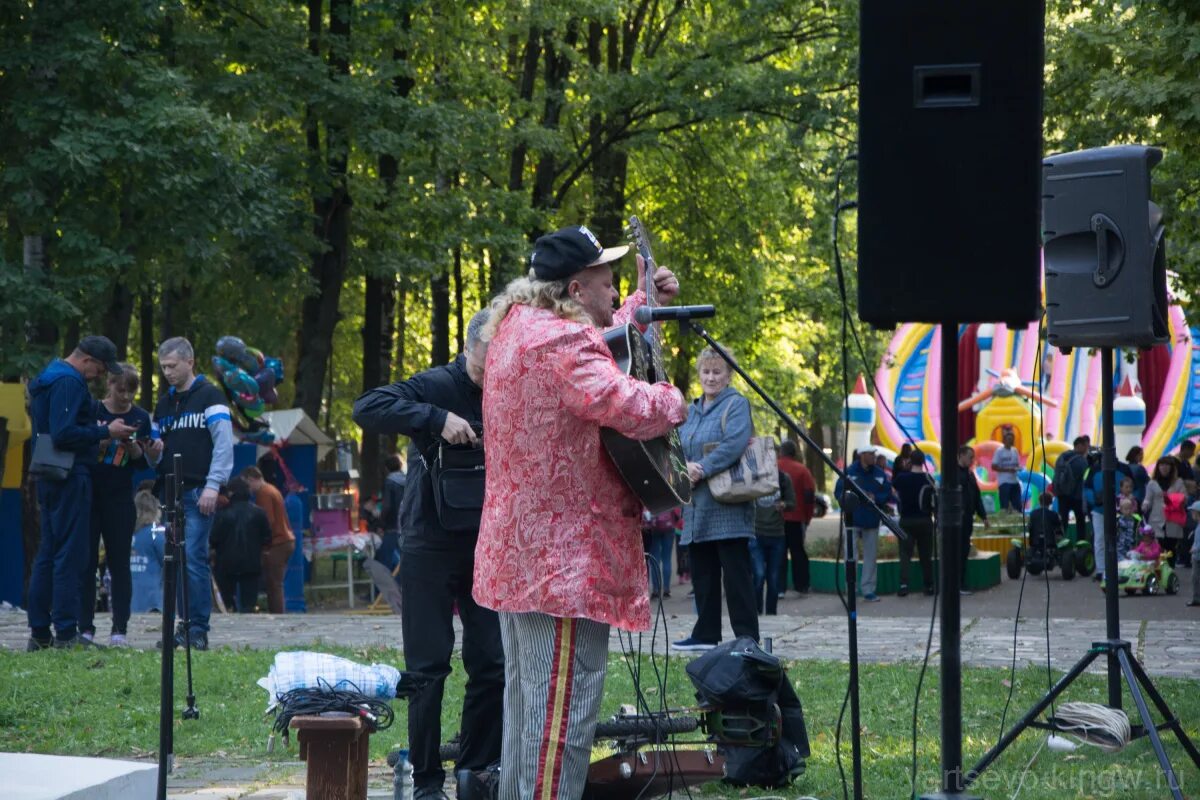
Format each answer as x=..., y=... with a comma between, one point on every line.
x=457, y=474
x=48, y=462
x=1173, y=508
x=755, y=474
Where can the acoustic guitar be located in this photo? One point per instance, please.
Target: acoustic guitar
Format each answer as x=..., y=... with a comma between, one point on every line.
x=655, y=469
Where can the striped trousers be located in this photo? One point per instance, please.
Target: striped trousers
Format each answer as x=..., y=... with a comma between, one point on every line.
x=553, y=680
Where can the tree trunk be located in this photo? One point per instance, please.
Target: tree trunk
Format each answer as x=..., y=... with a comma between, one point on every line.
x=42, y=332
x=439, y=323
x=460, y=333
x=146, y=326
x=507, y=264
x=331, y=208
x=376, y=352
x=557, y=68
x=813, y=459
x=118, y=314
x=401, y=327
x=177, y=313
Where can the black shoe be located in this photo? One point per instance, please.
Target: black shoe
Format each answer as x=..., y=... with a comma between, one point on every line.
x=199, y=641
x=430, y=793
x=77, y=642
x=902, y=591
x=34, y=644
x=1190, y=604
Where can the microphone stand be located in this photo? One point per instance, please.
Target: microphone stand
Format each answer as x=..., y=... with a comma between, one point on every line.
x=174, y=566
x=166, y=711
x=852, y=498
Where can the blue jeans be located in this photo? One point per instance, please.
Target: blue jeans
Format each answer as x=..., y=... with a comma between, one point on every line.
x=766, y=556
x=659, y=545
x=62, y=555
x=199, y=574
x=1010, y=496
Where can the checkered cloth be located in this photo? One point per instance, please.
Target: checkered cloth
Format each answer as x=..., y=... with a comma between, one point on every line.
x=304, y=670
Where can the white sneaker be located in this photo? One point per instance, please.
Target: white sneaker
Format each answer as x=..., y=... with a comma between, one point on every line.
x=90, y=637
x=118, y=640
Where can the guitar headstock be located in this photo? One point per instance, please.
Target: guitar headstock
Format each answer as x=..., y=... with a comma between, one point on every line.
x=641, y=242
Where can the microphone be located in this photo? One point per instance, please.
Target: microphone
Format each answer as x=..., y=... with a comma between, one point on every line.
x=644, y=315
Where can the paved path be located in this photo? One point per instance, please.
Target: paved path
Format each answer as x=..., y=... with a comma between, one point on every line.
x=1166, y=647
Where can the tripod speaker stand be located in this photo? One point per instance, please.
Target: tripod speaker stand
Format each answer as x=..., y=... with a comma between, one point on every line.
x=1122, y=664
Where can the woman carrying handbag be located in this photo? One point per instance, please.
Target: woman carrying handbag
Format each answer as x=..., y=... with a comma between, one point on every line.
x=717, y=534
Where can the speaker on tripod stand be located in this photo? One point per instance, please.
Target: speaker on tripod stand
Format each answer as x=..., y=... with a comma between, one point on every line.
x=1105, y=251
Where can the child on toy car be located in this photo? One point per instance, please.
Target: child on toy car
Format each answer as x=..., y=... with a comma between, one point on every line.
x=1148, y=549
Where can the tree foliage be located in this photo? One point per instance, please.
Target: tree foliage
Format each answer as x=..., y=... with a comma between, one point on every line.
x=344, y=182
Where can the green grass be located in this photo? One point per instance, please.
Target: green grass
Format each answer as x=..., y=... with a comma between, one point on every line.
x=106, y=704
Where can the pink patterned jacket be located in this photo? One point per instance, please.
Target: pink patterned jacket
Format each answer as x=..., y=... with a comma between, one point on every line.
x=561, y=532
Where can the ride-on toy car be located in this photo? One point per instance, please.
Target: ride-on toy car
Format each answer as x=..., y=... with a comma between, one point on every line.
x=1075, y=558
x=1148, y=577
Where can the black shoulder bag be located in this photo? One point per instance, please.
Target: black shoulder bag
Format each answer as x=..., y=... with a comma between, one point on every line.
x=48, y=462
x=457, y=475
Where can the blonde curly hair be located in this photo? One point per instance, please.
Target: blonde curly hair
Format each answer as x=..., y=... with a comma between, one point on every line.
x=530, y=291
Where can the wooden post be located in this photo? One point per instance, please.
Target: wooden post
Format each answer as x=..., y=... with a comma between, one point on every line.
x=335, y=745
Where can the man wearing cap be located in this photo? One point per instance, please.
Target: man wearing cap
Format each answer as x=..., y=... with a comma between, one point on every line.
x=64, y=410
x=441, y=405
x=560, y=548
x=863, y=525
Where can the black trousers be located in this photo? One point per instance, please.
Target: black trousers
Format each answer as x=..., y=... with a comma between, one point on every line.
x=430, y=584
x=1065, y=506
x=920, y=536
x=968, y=528
x=239, y=591
x=794, y=532
x=113, y=518
x=724, y=562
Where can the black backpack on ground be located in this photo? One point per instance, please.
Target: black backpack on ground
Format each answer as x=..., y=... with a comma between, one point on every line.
x=762, y=730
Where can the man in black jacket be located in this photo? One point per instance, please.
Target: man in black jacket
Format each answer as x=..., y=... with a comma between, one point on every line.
x=972, y=505
x=443, y=404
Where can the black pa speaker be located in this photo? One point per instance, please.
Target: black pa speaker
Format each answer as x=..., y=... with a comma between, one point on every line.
x=949, y=160
x=1106, y=249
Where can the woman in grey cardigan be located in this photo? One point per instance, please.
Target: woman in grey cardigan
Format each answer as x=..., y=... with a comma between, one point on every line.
x=717, y=535
x=1166, y=481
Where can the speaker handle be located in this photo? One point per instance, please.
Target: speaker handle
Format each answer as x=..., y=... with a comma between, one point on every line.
x=1107, y=270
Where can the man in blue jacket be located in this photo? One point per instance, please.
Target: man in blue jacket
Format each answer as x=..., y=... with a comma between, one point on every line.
x=864, y=523
x=63, y=409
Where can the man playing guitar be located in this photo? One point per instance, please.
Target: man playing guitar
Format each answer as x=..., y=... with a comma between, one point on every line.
x=560, y=550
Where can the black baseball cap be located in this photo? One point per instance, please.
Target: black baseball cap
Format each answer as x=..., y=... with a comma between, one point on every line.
x=561, y=254
x=103, y=350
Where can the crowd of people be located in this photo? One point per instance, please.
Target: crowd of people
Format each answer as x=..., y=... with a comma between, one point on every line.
x=86, y=456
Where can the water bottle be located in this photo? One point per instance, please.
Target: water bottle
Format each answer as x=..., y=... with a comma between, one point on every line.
x=402, y=783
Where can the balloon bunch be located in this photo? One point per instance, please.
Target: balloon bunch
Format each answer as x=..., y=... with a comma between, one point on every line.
x=249, y=379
